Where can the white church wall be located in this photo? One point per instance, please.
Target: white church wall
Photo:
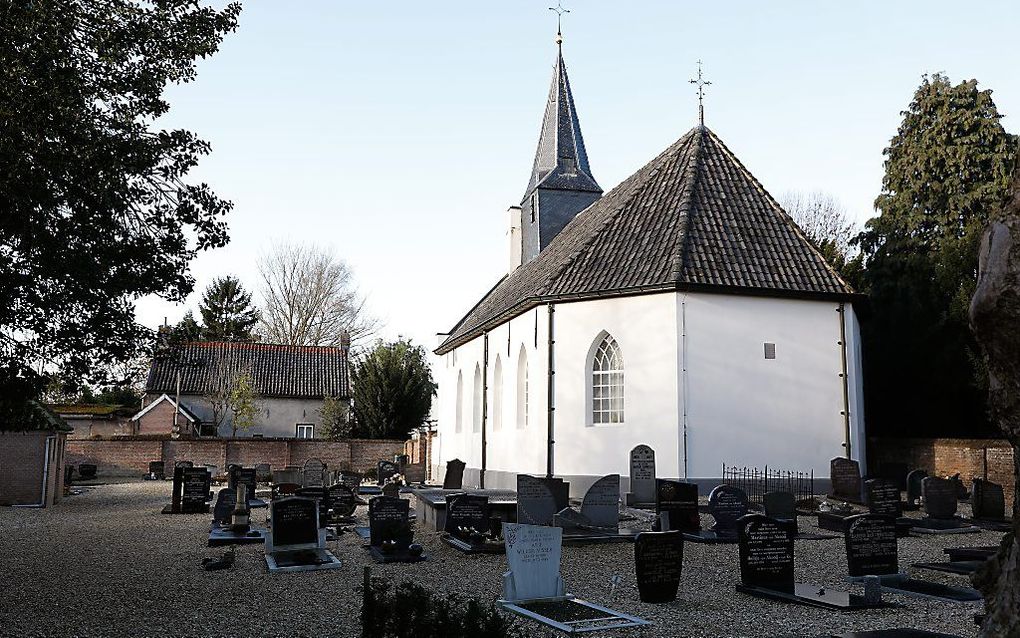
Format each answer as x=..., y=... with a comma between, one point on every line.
x=744, y=409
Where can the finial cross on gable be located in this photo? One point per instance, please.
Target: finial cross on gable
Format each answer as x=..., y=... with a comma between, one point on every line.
x=560, y=10
x=701, y=82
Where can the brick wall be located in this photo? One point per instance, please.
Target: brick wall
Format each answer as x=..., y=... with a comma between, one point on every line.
x=22, y=461
x=131, y=456
x=983, y=458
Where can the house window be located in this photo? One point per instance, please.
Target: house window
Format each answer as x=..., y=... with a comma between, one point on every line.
x=770, y=351
x=305, y=430
x=497, y=395
x=607, y=382
x=522, y=389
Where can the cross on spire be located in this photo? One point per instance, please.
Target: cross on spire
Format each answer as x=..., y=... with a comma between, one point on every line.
x=701, y=83
x=559, y=20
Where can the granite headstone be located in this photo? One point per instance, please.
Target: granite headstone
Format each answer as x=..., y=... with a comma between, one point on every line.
x=939, y=497
x=454, y=478
x=535, y=503
x=467, y=512
x=679, y=501
x=766, y=553
x=658, y=558
x=883, y=497
x=727, y=504
x=601, y=504
x=914, y=480
x=385, y=470
x=387, y=520
x=642, y=475
x=988, y=500
x=533, y=554
x=871, y=545
x=845, y=475
x=195, y=483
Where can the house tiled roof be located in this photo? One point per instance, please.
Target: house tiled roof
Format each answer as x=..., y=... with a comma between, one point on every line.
x=692, y=219
x=277, y=370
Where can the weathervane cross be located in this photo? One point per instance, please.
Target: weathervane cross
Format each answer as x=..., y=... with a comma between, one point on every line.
x=701, y=83
x=559, y=19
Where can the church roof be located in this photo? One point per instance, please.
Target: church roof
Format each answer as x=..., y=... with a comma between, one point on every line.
x=561, y=161
x=693, y=219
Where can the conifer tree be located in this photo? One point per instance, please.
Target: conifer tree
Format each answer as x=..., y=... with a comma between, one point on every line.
x=227, y=311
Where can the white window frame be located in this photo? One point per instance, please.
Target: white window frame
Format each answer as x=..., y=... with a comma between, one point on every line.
x=605, y=382
x=299, y=427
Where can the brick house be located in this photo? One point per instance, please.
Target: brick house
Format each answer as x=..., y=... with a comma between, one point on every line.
x=94, y=419
x=32, y=460
x=291, y=383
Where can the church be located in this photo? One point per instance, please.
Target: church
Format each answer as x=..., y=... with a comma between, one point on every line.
x=683, y=309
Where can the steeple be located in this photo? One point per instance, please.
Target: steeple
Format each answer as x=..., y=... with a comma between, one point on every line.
x=561, y=183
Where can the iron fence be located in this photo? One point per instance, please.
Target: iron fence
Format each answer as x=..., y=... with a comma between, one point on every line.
x=756, y=482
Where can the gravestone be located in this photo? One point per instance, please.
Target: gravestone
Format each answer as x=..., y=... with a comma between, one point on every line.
x=297, y=541
x=914, y=480
x=679, y=501
x=343, y=499
x=391, y=489
x=535, y=503
x=642, y=476
x=727, y=504
x=988, y=501
x=871, y=545
x=243, y=476
x=313, y=473
x=156, y=470
x=321, y=496
x=195, y=489
x=454, y=479
x=263, y=472
x=87, y=471
x=883, y=497
x=601, y=504
x=658, y=562
x=845, y=475
x=939, y=497
x=780, y=505
x=766, y=553
x=388, y=521
x=385, y=471
x=290, y=475
x=559, y=489
x=465, y=512
x=895, y=472
x=533, y=554
x=226, y=501
x=351, y=480
x=184, y=464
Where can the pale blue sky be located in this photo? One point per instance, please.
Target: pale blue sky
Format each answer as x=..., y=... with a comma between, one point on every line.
x=398, y=133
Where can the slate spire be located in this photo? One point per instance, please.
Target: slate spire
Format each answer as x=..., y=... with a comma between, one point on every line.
x=561, y=183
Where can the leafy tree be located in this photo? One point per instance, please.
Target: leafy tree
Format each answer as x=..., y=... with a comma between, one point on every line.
x=336, y=418
x=947, y=171
x=393, y=390
x=227, y=313
x=95, y=209
x=243, y=402
x=185, y=330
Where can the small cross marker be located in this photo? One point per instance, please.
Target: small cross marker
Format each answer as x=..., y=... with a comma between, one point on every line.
x=701, y=83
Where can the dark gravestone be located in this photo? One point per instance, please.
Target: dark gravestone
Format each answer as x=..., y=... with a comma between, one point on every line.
x=988, y=500
x=246, y=476
x=195, y=488
x=727, y=505
x=351, y=480
x=658, y=562
x=387, y=521
x=642, y=475
x=883, y=497
x=601, y=503
x=156, y=470
x=846, y=478
x=87, y=471
x=454, y=479
x=939, y=497
x=263, y=472
x=766, y=553
x=914, y=480
x=226, y=501
x=679, y=501
x=871, y=545
x=895, y=472
x=385, y=470
x=321, y=496
x=177, y=490
x=313, y=473
x=343, y=499
x=560, y=491
x=780, y=505
x=184, y=464
x=294, y=522
x=535, y=503
x=391, y=489
x=466, y=512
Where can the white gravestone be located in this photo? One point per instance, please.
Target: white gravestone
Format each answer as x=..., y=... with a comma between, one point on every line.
x=642, y=475
x=533, y=553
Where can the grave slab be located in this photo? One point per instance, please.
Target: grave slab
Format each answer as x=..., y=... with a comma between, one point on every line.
x=296, y=542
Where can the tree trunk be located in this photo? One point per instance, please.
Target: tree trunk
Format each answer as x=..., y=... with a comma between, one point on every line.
x=995, y=318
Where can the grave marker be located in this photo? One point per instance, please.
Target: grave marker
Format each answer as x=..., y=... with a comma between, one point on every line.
x=871, y=545
x=313, y=473
x=988, y=500
x=535, y=503
x=766, y=553
x=388, y=521
x=658, y=558
x=385, y=471
x=679, y=501
x=845, y=475
x=296, y=541
x=467, y=512
x=454, y=478
x=195, y=489
x=533, y=553
x=883, y=497
x=601, y=504
x=727, y=504
x=914, y=480
x=642, y=476
x=939, y=497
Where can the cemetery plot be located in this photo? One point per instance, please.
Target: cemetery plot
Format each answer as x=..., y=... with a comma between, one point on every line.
x=296, y=542
x=871, y=550
x=390, y=534
x=222, y=530
x=766, y=568
x=431, y=505
x=940, y=504
x=642, y=492
x=598, y=521
x=533, y=587
x=470, y=527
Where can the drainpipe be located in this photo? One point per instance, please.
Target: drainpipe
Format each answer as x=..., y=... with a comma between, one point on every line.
x=551, y=398
x=846, y=381
x=485, y=404
x=683, y=374
x=46, y=475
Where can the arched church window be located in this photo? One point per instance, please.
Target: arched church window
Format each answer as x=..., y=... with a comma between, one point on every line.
x=476, y=413
x=522, y=389
x=607, y=382
x=459, y=408
x=497, y=395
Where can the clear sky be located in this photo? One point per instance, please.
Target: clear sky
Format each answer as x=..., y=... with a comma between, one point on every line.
x=399, y=133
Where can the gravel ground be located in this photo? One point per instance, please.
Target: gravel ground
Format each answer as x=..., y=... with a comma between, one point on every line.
x=107, y=563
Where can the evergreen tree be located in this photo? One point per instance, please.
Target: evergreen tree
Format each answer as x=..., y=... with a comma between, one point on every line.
x=185, y=330
x=393, y=390
x=947, y=171
x=227, y=313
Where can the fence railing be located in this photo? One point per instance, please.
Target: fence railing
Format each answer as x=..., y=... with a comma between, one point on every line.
x=756, y=482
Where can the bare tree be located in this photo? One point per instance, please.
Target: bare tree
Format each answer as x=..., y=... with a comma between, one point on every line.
x=823, y=219
x=309, y=298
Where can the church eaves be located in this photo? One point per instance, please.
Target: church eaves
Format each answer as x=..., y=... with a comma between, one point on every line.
x=693, y=219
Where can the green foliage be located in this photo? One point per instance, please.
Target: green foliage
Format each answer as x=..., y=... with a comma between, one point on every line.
x=336, y=418
x=185, y=330
x=96, y=212
x=227, y=313
x=393, y=390
x=243, y=402
x=947, y=173
x=411, y=611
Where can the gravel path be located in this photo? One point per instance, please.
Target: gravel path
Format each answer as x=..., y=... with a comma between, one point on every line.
x=107, y=563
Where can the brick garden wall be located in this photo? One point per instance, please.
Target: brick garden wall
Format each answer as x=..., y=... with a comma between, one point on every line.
x=983, y=458
x=131, y=456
